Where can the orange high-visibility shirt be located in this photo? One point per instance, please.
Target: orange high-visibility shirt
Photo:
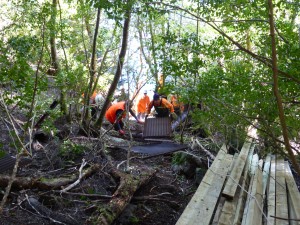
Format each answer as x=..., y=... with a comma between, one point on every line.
x=174, y=101
x=143, y=104
x=162, y=103
x=110, y=114
x=92, y=98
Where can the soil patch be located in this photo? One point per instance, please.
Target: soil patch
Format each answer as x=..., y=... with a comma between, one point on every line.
x=160, y=201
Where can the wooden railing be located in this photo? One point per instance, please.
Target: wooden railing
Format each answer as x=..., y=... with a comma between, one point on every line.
x=242, y=189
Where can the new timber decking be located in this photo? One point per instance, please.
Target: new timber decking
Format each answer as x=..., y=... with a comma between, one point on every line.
x=203, y=202
x=245, y=190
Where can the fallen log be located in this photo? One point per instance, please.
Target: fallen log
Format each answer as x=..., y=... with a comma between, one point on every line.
x=43, y=183
x=129, y=184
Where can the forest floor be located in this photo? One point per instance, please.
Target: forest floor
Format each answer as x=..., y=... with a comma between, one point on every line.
x=159, y=200
x=55, y=162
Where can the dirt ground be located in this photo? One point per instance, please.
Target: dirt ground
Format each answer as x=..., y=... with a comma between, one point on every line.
x=161, y=200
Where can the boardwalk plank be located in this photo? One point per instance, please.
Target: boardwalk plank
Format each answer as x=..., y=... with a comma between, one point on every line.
x=229, y=207
x=294, y=195
x=231, y=184
x=253, y=214
x=228, y=210
x=271, y=192
x=218, y=211
x=202, y=204
x=246, y=206
x=281, y=194
x=244, y=186
x=266, y=174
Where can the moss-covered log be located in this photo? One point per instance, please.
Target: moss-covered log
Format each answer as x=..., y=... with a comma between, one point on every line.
x=43, y=183
x=129, y=184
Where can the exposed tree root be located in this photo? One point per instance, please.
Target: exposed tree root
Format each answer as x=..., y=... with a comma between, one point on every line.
x=129, y=184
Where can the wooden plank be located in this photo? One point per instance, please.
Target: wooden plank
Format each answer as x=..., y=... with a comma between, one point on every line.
x=228, y=208
x=281, y=194
x=246, y=207
x=244, y=186
x=218, y=211
x=294, y=195
x=266, y=174
x=253, y=165
x=234, y=161
x=210, y=200
x=254, y=210
x=204, y=186
x=202, y=204
x=271, y=192
x=235, y=175
x=260, y=164
x=266, y=178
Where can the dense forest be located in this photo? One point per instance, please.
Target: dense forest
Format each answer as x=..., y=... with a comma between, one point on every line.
x=238, y=59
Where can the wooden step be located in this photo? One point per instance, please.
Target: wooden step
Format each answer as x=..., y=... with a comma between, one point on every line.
x=202, y=205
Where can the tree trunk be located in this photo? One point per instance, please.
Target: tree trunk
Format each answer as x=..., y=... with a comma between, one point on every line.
x=90, y=90
x=128, y=186
x=277, y=93
x=54, y=57
x=119, y=67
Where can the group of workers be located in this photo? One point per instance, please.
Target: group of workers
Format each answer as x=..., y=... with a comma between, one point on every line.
x=163, y=107
x=117, y=111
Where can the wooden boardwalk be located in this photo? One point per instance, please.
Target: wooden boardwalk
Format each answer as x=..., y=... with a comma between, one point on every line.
x=245, y=190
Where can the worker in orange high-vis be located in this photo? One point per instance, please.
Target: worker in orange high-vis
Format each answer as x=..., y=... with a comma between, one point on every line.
x=92, y=103
x=162, y=107
x=178, y=106
x=142, y=105
x=116, y=112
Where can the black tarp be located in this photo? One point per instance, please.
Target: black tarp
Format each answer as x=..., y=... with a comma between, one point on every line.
x=158, y=148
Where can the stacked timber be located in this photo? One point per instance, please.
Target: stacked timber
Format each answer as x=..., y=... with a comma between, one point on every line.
x=202, y=205
x=245, y=190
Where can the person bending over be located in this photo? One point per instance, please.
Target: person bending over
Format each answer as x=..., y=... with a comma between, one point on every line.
x=162, y=107
x=117, y=112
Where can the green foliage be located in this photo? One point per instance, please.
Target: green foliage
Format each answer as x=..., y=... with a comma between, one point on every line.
x=24, y=46
x=2, y=153
x=114, y=10
x=234, y=88
x=188, y=46
x=91, y=190
x=70, y=150
x=178, y=158
x=134, y=220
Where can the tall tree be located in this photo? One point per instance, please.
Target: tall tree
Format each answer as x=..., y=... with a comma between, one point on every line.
x=120, y=63
x=277, y=92
x=54, y=57
x=93, y=68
